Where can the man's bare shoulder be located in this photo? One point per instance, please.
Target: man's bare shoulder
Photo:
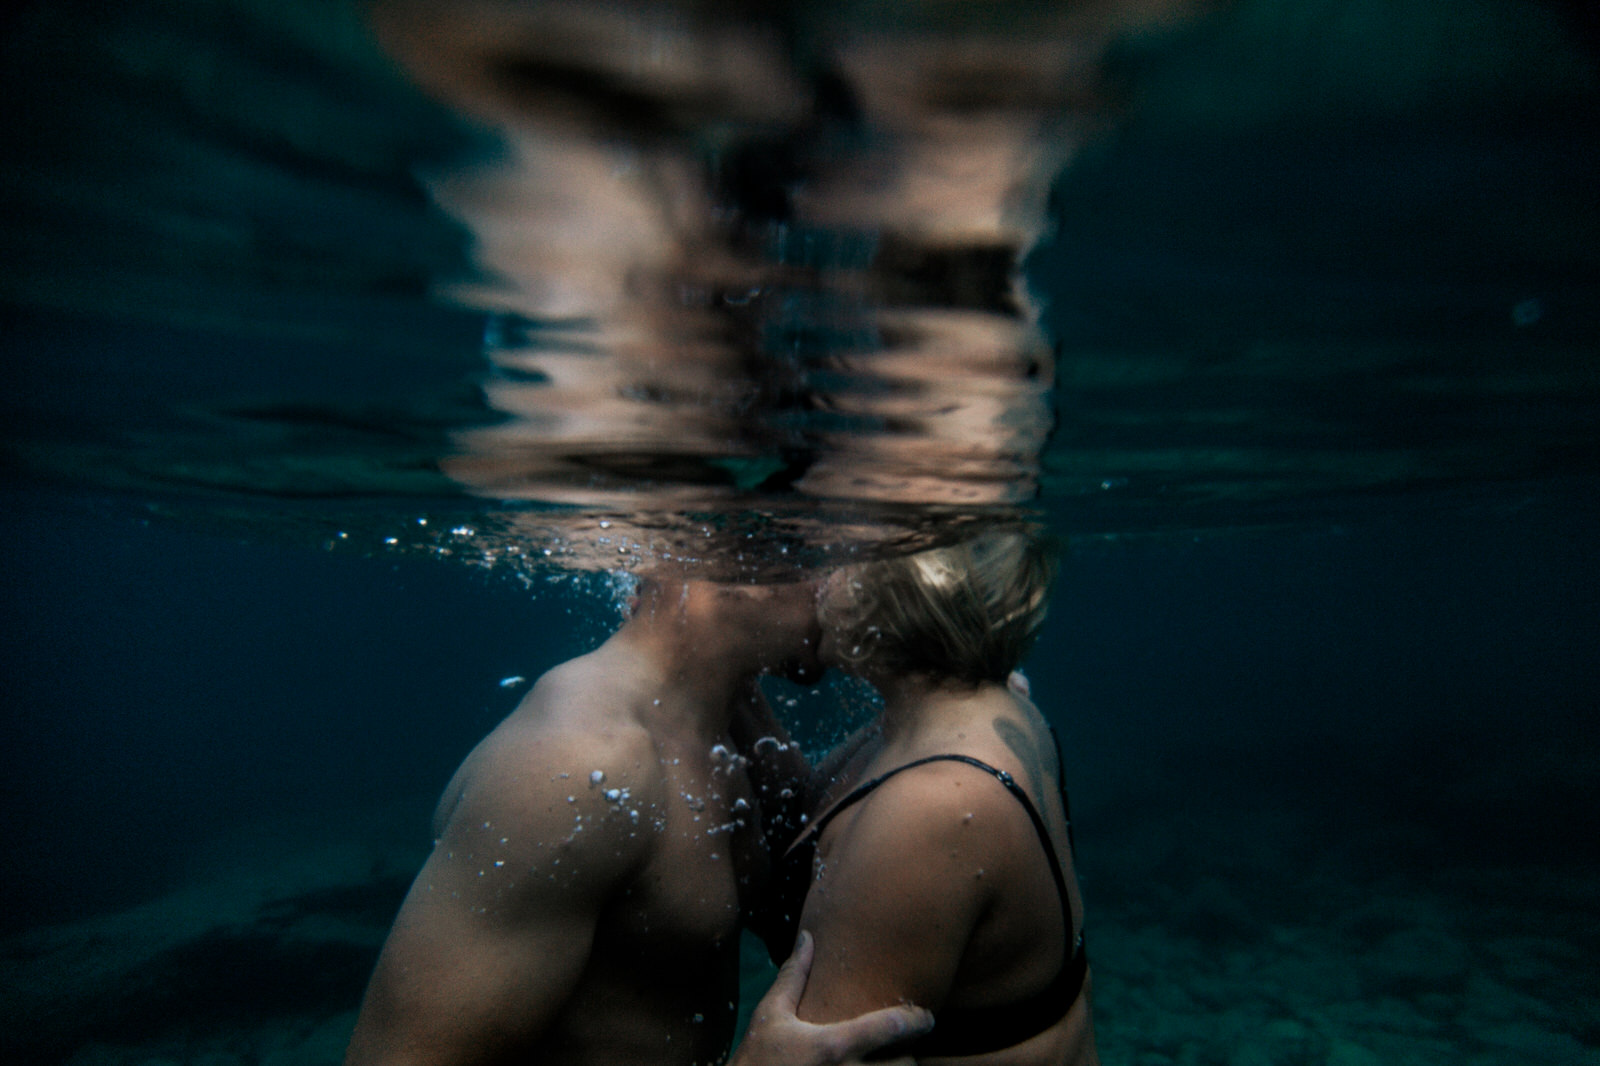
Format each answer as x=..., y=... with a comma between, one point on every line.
x=567, y=751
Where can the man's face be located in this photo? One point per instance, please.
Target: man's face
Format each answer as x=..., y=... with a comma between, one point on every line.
x=785, y=618
x=839, y=598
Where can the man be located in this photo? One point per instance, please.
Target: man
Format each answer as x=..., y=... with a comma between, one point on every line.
x=594, y=852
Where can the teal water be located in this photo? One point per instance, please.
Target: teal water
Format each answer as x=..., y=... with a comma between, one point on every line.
x=292, y=497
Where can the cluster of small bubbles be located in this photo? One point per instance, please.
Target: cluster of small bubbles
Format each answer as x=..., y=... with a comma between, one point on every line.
x=727, y=761
x=622, y=585
x=620, y=797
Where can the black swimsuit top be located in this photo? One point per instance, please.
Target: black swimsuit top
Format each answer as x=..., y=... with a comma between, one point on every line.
x=957, y=1030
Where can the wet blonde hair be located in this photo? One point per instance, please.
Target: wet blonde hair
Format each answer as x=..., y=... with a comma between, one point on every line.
x=966, y=612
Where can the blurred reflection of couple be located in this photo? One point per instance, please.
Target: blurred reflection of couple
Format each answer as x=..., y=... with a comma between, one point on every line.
x=738, y=250
x=598, y=853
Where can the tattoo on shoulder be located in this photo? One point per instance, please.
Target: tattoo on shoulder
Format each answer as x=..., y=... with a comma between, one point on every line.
x=1040, y=771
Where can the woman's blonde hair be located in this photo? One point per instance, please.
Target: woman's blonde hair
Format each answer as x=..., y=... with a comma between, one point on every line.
x=968, y=611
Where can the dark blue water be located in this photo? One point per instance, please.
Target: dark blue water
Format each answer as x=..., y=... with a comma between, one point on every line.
x=1324, y=651
x=1398, y=709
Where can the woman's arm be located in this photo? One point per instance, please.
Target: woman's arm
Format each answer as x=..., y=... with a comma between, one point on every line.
x=905, y=878
x=777, y=1037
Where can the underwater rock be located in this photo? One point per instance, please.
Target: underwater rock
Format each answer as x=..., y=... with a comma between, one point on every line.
x=1415, y=961
x=1344, y=1053
x=1537, y=1043
x=1212, y=914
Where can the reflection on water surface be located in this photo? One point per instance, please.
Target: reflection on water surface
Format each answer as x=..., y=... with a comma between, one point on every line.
x=841, y=270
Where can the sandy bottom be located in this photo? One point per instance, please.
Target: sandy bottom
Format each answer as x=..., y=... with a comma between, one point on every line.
x=1214, y=941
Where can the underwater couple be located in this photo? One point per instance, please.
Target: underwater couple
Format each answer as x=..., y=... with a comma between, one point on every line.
x=599, y=853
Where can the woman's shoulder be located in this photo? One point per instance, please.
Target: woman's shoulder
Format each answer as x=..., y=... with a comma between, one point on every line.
x=939, y=806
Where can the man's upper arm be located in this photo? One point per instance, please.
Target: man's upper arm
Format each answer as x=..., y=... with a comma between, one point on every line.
x=901, y=890
x=497, y=928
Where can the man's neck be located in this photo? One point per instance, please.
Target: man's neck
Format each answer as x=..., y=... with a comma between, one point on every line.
x=676, y=640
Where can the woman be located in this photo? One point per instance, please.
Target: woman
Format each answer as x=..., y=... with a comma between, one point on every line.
x=936, y=866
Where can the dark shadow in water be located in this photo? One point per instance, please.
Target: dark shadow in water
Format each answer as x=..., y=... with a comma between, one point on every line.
x=373, y=903
x=238, y=979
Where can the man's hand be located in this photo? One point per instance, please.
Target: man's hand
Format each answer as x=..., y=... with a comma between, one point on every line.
x=777, y=1037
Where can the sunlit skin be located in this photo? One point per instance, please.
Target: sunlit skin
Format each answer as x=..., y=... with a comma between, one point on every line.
x=582, y=903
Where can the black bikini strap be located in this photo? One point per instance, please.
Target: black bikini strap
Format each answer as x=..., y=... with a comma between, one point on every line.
x=1039, y=828
x=861, y=791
